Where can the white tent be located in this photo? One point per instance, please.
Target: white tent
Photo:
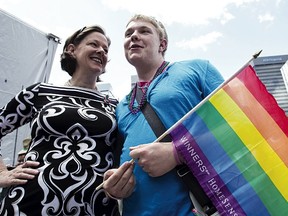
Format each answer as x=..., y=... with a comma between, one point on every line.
x=26, y=57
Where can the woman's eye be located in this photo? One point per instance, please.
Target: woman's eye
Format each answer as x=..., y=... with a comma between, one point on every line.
x=93, y=44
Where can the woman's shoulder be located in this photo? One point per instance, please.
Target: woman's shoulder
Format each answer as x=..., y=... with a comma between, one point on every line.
x=77, y=92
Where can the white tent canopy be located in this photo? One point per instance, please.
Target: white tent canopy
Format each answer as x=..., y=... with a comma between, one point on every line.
x=26, y=57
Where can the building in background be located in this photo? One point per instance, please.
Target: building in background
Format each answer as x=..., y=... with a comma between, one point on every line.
x=105, y=88
x=273, y=72
x=134, y=80
x=284, y=71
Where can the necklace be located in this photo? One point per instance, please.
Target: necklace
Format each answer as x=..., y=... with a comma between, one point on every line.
x=132, y=95
x=68, y=83
x=106, y=98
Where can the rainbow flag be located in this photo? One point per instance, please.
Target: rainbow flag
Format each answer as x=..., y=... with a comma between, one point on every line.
x=236, y=145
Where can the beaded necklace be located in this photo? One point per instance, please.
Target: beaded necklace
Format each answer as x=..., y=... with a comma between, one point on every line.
x=132, y=95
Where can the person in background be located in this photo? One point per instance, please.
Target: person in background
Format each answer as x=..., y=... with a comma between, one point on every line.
x=172, y=89
x=73, y=134
x=20, y=160
x=22, y=153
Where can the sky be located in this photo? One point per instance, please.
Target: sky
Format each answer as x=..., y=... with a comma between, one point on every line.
x=225, y=32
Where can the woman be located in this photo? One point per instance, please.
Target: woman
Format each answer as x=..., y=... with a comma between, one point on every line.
x=73, y=131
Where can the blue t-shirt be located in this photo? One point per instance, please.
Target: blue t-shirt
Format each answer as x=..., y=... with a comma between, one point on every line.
x=172, y=94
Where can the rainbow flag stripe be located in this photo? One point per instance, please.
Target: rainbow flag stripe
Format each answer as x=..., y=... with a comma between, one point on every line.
x=236, y=145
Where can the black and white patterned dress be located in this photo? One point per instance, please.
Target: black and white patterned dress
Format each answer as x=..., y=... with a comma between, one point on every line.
x=73, y=132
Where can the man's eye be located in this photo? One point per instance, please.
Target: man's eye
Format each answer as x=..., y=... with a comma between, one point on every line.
x=128, y=34
x=145, y=31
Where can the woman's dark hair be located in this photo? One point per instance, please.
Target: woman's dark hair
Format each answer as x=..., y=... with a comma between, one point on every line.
x=68, y=62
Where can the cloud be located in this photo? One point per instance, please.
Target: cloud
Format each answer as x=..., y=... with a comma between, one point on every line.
x=278, y=2
x=188, y=12
x=200, y=42
x=266, y=18
x=226, y=17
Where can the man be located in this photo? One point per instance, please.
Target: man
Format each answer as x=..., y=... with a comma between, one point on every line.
x=172, y=89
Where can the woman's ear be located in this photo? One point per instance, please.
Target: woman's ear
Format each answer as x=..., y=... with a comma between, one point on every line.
x=70, y=48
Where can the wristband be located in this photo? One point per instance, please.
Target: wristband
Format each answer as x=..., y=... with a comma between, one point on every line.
x=176, y=156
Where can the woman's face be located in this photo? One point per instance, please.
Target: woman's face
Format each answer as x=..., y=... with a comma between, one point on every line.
x=91, y=53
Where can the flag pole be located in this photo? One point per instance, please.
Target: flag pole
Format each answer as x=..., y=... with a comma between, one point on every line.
x=207, y=98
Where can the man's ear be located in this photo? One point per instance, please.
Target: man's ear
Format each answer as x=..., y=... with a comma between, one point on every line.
x=163, y=45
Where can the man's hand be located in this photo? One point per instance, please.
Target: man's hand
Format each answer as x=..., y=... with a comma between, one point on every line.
x=119, y=183
x=155, y=158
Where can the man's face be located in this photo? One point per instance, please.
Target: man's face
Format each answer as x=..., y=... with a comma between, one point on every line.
x=141, y=41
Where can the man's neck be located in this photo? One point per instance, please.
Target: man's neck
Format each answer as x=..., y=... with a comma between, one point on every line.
x=146, y=72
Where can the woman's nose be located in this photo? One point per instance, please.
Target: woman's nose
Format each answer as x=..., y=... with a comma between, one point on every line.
x=101, y=50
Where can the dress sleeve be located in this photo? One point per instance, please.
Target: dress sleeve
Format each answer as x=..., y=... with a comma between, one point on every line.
x=18, y=111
